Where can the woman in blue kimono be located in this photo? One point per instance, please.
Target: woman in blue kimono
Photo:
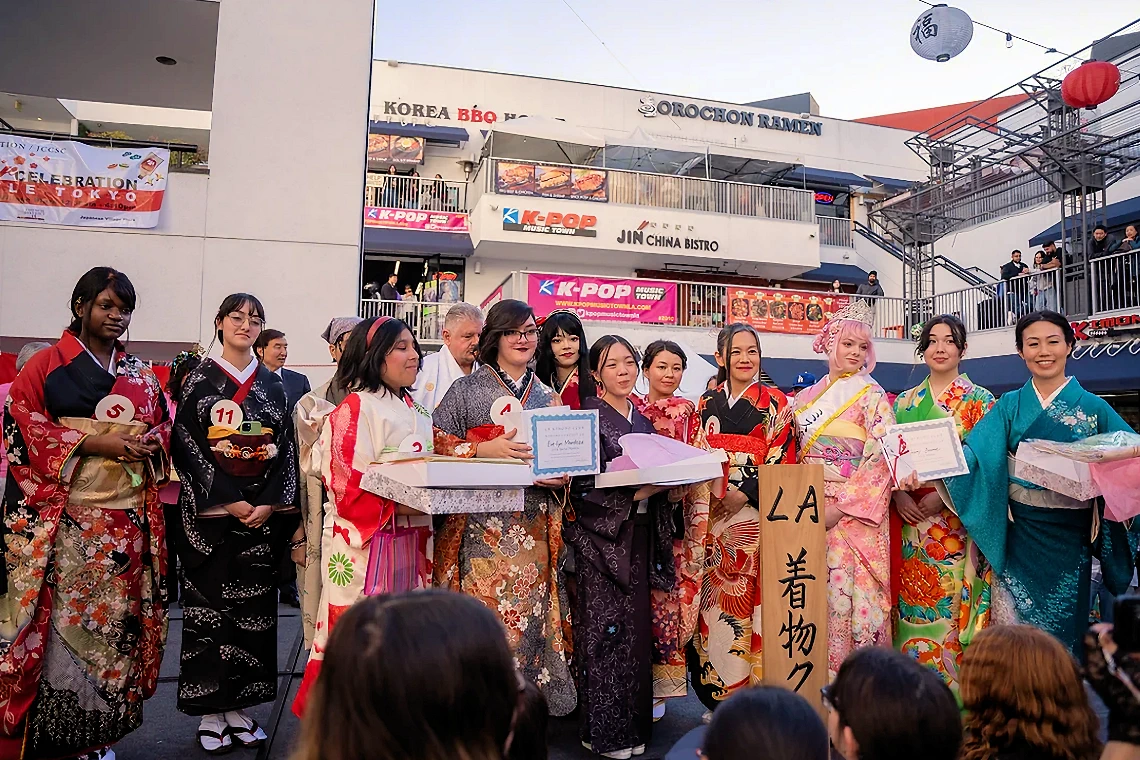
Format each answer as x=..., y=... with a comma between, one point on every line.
x=1040, y=542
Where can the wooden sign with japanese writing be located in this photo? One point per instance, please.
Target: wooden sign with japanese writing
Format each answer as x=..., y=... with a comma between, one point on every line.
x=793, y=551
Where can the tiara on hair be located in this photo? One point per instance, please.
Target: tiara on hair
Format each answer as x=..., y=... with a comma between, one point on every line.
x=857, y=310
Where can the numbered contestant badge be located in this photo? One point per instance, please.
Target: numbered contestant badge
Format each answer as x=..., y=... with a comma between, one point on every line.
x=115, y=408
x=507, y=411
x=712, y=427
x=413, y=444
x=226, y=414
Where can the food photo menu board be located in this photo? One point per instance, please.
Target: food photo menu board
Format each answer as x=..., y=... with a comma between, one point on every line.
x=781, y=311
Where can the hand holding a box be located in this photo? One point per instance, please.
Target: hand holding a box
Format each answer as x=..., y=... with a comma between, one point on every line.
x=504, y=447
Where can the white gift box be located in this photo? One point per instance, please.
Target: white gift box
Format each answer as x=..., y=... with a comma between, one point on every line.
x=694, y=470
x=1054, y=472
x=392, y=482
x=453, y=472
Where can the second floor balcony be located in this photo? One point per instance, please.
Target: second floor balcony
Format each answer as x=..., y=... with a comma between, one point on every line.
x=651, y=190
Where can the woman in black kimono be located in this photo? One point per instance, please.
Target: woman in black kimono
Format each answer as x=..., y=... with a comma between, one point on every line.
x=622, y=542
x=235, y=454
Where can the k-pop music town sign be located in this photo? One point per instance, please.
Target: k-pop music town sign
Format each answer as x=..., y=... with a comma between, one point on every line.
x=67, y=182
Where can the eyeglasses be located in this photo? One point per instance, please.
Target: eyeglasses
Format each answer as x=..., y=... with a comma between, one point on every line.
x=523, y=336
x=237, y=319
x=827, y=694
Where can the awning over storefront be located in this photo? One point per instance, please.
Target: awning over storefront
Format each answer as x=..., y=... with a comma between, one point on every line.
x=381, y=240
x=1114, y=215
x=893, y=184
x=449, y=135
x=826, y=272
x=826, y=177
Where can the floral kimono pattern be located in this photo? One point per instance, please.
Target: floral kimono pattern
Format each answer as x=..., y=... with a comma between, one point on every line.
x=943, y=589
x=840, y=426
x=675, y=612
x=1040, y=543
x=755, y=430
x=365, y=428
x=510, y=561
x=83, y=618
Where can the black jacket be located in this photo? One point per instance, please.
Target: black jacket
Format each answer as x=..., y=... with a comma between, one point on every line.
x=296, y=385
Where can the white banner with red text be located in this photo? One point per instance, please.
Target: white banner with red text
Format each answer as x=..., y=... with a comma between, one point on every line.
x=67, y=182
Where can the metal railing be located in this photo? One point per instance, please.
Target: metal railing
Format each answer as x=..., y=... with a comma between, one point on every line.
x=695, y=194
x=423, y=193
x=424, y=318
x=835, y=231
x=1114, y=281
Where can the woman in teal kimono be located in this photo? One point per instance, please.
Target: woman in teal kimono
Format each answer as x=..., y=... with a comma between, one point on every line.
x=1040, y=543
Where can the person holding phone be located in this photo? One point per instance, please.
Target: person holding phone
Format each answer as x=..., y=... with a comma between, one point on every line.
x=510, y=561
x=83, y=612
x=236, y=456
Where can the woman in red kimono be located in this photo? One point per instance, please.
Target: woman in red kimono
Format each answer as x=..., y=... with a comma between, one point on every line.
x=753, y=423
x=675, y=611
x=84, y=611
x=561, y=360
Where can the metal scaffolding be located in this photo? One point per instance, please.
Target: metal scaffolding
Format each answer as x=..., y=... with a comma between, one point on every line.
x=1020, y=149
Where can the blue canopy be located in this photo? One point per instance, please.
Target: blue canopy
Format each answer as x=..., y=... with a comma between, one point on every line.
x=826, y=272
x=421, y=242
x=806, y=174
x=1114, y=215
x=451, y=135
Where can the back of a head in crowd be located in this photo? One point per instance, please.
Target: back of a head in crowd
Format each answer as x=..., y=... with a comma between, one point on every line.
x=28, y=350
x=401, y=681
x=891, y=708
x=528, y=736
x=766, y=722
x=1023, y=696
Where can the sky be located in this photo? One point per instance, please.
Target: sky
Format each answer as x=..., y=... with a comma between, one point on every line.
x=853, y=56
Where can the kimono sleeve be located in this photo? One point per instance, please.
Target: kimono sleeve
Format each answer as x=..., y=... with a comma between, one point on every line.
x=47, y=448
x=282, y=480
x=981, y=497
x=349, y=438
x=190, y=449
x=867, y=492
x=1116, y=545
x=451, y=416
x=450, y=424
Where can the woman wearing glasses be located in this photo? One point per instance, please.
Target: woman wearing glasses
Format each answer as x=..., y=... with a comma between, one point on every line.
x=510, y=561
x=236, y=456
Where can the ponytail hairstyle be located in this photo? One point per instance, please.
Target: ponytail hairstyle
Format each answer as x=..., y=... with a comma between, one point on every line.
x=362, y=361
x=724, y=347
x=94, y=282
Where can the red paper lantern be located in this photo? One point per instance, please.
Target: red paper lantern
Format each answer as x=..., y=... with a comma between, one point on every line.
x=1090, y=84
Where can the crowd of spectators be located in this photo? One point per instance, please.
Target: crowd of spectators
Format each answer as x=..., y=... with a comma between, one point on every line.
x=400, y=680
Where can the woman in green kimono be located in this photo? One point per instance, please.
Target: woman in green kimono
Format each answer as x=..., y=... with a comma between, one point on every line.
x=1040, y=543
x=939, y=579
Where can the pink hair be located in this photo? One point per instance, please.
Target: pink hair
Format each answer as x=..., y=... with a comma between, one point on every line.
x=834, y=333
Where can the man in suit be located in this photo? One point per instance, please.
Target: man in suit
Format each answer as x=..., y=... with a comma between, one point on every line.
x=272, y=349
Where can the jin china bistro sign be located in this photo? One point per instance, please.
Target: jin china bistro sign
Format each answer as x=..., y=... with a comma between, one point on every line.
x=661, y=235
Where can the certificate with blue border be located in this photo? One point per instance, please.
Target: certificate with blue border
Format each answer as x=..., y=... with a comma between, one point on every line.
x=564, y=442
x=932, y=449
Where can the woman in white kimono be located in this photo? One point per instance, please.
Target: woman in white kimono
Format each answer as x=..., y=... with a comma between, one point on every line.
x=376, y=420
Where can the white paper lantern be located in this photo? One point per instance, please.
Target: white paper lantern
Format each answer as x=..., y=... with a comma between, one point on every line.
x=941, y=33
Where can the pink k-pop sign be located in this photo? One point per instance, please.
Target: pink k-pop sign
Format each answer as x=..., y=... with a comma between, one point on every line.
x=415, y=219
x=603, y=299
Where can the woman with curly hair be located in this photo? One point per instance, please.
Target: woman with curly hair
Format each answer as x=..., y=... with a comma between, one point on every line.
x=1024, y=699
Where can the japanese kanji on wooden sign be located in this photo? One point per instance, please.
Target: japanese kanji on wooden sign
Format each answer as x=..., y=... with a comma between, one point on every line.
x=793, y=551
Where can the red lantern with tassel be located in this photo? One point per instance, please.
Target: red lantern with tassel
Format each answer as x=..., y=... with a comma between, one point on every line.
x=1090, y=84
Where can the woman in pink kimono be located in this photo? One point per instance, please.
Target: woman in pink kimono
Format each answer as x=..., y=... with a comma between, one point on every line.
x=840, y=421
